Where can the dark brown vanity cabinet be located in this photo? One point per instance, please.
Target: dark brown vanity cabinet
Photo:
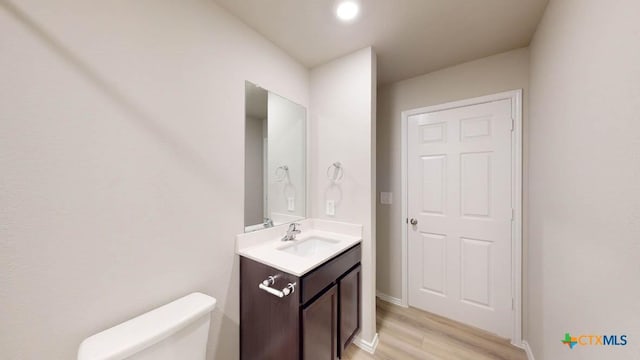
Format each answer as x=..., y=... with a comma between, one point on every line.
x=315, y=322
x=319, y=327
x=349, y=291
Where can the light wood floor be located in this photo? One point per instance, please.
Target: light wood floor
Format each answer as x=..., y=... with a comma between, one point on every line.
x=414, y=334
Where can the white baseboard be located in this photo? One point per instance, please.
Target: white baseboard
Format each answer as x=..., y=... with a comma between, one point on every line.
x=367, y=346
x=390, y=299
x=527, y=350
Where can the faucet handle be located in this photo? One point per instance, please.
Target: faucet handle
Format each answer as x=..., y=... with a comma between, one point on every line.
x=294, y=227
x=291, y=232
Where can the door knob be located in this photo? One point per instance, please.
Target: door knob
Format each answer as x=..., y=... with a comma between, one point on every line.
x=413, y=221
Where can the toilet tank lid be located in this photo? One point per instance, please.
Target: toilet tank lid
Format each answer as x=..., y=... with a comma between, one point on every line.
x=126, y=339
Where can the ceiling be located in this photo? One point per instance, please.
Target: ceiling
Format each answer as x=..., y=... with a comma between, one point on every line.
x=410, y=37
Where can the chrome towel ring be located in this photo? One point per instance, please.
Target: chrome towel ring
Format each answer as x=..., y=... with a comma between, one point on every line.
x=337, y=173
x=282, y=173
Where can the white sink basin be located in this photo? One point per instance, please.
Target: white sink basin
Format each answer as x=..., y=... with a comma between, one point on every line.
x=311, y=247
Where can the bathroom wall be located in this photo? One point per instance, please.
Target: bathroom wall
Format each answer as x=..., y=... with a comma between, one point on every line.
x=490, y=75
x=584, y=167
x=121, y=149
x=343, y=128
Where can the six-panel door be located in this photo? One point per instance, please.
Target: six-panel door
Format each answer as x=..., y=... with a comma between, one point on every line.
x=460, y=205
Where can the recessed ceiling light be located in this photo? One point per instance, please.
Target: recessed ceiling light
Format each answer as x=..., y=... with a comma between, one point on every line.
x=347, y=10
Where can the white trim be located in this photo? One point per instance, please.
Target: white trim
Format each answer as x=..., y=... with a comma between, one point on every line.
x=516, y=230
x=404, y=214
x=367, y=346
x=390, y=299
x=527, y=350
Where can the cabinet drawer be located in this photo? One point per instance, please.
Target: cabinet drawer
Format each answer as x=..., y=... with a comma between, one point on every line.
x=325, y=275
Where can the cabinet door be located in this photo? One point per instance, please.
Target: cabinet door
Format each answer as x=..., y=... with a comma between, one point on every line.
x=269, y=325
x=349, y=311
x=320, y=327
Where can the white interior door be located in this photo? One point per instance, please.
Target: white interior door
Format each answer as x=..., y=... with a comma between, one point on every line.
x=459, y=197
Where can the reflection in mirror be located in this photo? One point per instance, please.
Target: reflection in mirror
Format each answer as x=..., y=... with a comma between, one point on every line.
x=275, y=159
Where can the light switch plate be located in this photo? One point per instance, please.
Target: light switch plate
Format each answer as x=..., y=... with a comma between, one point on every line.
x=386, y=198
x=331, y=207
x=291, y=204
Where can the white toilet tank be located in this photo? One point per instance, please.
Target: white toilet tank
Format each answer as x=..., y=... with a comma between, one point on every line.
x=178, y=330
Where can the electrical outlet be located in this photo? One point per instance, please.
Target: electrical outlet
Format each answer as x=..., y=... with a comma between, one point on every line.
x=331, y=207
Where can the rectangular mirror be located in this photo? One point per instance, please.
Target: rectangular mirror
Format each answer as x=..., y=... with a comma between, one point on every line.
x=275, y=159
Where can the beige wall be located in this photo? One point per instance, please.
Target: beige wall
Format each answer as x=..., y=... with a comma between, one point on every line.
x=343, y=122
x=494, y=74
x=121, y=157
x=584, y=167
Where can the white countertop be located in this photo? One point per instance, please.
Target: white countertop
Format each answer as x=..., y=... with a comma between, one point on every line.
x=265, y=246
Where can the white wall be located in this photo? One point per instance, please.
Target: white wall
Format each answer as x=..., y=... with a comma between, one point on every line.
x=490, y=75
x=585, y=178
x=121, y=149
x=343, y=122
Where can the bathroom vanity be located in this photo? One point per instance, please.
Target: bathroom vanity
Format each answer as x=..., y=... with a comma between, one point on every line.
x=299, y=299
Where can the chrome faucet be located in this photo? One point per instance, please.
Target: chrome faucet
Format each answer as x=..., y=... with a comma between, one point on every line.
x=267, y=223
x=292, y=232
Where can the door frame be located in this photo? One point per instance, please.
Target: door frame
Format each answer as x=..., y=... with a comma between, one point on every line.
x=516, y=196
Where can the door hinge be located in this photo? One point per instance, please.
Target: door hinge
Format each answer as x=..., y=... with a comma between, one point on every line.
x=513, y=214
x=513, y=123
